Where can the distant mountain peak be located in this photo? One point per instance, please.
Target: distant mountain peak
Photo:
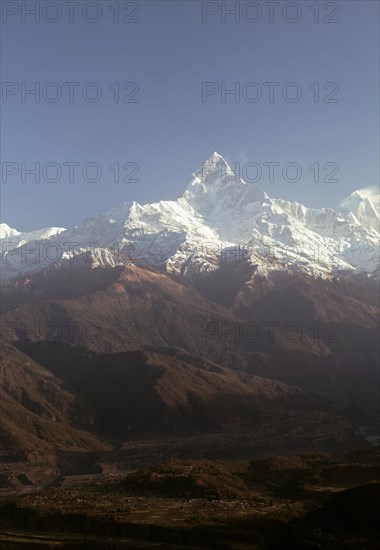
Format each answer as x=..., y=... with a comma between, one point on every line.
x=7, y=231
x=216, y=215
x=215, y=169
x=364, y=205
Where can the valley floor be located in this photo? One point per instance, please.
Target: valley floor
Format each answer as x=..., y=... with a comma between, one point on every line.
x=306, y=501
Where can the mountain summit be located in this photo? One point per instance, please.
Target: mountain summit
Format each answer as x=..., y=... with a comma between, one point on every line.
x=217, y=216
x=214, y=170
x=215, y=188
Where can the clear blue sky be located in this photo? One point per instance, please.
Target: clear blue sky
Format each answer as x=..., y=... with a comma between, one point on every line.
x=169, y=52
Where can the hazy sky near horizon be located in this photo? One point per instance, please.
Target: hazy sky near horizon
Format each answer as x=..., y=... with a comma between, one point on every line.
x=162, y=127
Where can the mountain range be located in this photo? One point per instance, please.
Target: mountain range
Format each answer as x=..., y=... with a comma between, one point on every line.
x=221, y=312
x=217, y=218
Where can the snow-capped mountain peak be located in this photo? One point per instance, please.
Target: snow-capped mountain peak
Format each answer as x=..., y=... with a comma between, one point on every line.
x=216, y=168
x=215, y=189
x=214, y=172
x=364, y=204
x=19, y=237
x=6, y=231
x=216, y=215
